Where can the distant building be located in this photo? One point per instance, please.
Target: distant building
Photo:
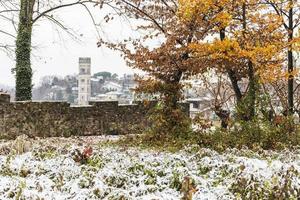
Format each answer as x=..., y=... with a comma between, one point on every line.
x=111, y=86
x=114, y=95
x=201, y=105
x=84, y=81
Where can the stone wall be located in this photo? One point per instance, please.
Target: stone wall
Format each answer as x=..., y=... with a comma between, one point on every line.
x=45, y=119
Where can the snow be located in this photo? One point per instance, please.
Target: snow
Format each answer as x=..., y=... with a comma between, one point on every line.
x=132, y=173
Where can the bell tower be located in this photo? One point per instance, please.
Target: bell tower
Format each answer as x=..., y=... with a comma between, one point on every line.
x=84, y=81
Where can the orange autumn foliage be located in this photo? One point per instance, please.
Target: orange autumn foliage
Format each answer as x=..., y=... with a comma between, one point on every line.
x=258, y=39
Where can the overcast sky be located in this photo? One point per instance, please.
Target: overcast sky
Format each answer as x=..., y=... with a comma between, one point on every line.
x=57, y=54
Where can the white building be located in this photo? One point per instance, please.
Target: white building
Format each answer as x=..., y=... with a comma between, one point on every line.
x=84, y=81
x=114, y=95
x=111, y=86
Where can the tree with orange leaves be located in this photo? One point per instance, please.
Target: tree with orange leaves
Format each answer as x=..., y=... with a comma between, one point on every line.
x=249, y=46
x=171, y=61
x=242, y=39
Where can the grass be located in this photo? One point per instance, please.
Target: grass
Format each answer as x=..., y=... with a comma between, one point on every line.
x=147, y=142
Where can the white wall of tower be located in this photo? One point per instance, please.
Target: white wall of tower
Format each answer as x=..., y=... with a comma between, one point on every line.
x=84, y=81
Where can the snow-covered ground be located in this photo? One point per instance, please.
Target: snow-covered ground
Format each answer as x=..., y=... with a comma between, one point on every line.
x=48, y=171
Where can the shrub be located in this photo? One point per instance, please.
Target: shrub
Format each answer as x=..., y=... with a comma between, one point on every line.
x=281, y=186
x=176, y=181
x=252, y=134
x=168, y=122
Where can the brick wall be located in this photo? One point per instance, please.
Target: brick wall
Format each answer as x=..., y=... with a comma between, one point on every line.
x=45, y=119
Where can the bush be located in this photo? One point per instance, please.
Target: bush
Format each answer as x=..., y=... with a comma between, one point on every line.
x=168, y=121
x=280, y=186
x=168, y=127
x=252, y=134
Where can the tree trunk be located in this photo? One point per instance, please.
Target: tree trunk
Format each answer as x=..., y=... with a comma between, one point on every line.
x=290, y=64
x=223, y=115
x=176, y=93
x=232, y=74
x=23, y=51
x=251, y=94
x=252, y=91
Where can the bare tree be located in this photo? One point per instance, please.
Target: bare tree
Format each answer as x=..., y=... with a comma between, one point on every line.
x=220, y=89
x=23, y=15
x=8, y=15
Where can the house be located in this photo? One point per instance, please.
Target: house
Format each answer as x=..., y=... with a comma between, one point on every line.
x=112, y=86
x=114, y=95
x=201, y=105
